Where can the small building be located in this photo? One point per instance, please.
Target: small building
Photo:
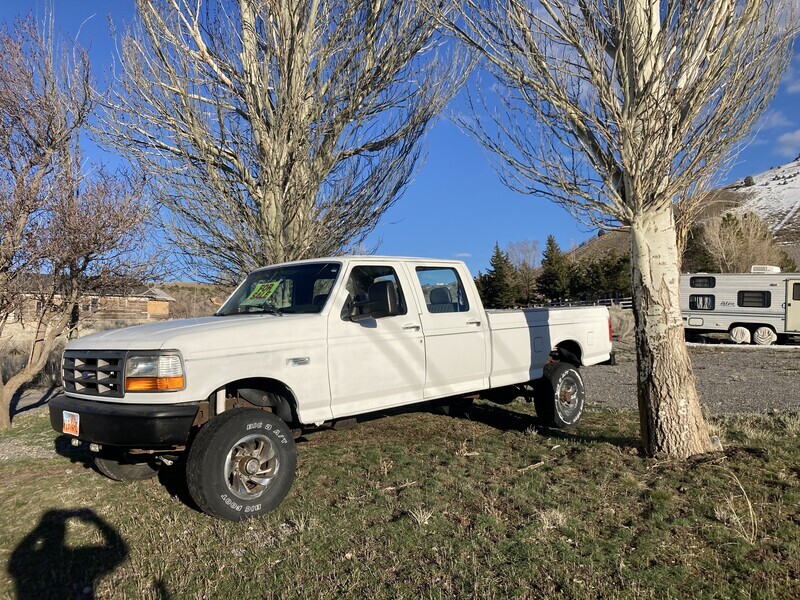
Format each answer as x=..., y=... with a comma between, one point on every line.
x=140, y=305
x=134, y=304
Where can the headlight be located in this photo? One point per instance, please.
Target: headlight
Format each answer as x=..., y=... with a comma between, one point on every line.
x=154, y=373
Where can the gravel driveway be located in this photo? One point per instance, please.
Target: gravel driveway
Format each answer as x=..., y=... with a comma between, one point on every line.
x=730, y=379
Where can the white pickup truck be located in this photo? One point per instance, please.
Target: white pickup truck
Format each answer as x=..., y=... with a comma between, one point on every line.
x=308, y=343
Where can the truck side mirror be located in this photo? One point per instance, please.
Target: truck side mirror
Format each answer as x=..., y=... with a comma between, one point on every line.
x=382, y=302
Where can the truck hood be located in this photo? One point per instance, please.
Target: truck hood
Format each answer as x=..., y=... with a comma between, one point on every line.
x=216, y=334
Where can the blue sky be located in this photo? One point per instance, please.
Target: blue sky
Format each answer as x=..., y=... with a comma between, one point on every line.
x=456, y=207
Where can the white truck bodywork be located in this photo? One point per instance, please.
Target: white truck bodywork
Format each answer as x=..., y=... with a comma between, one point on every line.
x=337, y=368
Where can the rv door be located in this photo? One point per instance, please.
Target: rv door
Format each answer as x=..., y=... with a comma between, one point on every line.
x=793, y=305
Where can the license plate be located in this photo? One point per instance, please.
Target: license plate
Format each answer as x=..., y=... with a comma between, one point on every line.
x=71, y=423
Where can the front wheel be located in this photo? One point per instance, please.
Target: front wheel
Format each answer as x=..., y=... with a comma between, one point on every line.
x=739, y=335
x=241, y=464
x=559, y=395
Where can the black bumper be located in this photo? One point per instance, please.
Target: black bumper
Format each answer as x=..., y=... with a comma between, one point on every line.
x=129, y=425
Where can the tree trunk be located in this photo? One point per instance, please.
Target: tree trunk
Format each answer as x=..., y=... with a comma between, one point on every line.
x=669, y=408
x=5, y=408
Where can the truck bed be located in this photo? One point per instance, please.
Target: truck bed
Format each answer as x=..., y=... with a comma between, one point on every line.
x=523, y=339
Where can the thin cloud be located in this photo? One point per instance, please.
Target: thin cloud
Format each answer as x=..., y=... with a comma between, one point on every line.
x=775, y=119
x=788, y=144
x=463, y=255
x=791, y=79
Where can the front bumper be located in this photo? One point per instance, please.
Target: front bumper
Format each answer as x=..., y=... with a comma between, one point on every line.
x=131, y=425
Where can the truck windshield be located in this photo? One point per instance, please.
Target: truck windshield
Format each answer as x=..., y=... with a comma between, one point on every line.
x=289, y=289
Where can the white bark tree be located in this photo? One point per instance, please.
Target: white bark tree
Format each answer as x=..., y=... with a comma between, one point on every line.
x=277, y=130
x=618, y=109
x=63, y=230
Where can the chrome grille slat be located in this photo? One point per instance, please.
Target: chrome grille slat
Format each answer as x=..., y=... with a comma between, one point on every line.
x=95, y=372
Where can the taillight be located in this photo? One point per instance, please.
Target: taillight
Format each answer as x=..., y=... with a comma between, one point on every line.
x=610, y=330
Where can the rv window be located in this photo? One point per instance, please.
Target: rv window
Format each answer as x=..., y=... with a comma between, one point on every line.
x=701, y=302
x=796, y=291
x=702, y=282
x=754, y=299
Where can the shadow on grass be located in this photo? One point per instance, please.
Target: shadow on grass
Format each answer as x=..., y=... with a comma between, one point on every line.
x=78, y=455
x=504, y=419
x=46, y=564
x=20, y=404
x=172, y=477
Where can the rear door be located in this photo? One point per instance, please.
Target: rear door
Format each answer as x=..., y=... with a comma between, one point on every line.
x=793, y=305
x=456, y=342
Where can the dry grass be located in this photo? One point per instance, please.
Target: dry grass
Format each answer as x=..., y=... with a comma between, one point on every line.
x=402, y=507
x=737, y=513
x=622, y=323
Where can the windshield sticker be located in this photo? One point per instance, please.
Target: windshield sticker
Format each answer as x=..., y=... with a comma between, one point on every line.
x=261, y=292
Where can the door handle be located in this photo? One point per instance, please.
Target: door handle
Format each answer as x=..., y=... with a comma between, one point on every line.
x=476, y=322
x=411, y=327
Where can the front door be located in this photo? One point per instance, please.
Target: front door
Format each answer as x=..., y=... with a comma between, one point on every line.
x=455, y=334
x=793, y=305
x=377, y=363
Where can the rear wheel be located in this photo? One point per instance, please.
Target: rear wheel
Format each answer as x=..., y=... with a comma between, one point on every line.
x=559, y=395
x=123, y=466
x=241, y=464
x=764, y=336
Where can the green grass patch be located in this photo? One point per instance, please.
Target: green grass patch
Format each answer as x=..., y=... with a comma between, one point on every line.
x=423, y=505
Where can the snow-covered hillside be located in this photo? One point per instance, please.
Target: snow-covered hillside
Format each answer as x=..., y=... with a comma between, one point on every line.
x=775, y=197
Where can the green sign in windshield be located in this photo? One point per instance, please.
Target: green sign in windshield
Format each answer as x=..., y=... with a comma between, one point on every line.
x=261, y=292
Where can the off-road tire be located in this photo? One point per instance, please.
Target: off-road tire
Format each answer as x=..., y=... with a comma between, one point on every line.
x=559, y=395
x=241, y=464
x=121, y=466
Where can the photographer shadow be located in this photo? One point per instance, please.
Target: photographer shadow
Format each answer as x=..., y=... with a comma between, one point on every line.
x=46, y=565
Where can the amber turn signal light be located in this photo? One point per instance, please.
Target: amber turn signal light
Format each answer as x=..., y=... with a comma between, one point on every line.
x=154, y=384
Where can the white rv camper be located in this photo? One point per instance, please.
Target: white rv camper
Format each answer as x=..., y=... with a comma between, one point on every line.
x=761, y=307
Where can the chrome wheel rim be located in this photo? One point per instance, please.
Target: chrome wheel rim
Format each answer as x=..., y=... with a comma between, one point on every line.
x=567, y=398
x=250, y=466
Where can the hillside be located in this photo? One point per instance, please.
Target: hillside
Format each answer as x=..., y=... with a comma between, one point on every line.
x=775, y=197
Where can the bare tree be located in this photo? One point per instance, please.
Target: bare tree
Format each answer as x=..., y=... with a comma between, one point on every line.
x=736, y=242
x=63, y=231
x=617, y=109
x=523, y=256
x=277, y=130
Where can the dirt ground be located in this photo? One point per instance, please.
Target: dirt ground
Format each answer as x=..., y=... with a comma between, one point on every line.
x=730, y=379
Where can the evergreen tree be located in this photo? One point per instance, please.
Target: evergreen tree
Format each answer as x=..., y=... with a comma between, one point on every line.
x=605, y=277
x=481, y=283
x=554, y=281
x=499, y=283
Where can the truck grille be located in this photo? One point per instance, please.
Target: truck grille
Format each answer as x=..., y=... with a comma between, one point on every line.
x=95, y=373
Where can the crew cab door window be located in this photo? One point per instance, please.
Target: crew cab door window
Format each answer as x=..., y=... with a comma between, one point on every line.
x=442, y=289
